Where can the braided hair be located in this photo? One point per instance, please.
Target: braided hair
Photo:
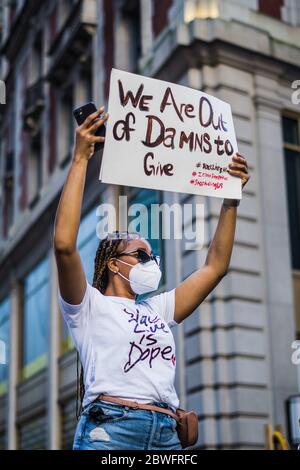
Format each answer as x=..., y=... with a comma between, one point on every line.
x=107, y=249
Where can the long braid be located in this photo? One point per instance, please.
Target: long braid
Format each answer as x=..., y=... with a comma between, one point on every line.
x=107, y=249
x=104, y=253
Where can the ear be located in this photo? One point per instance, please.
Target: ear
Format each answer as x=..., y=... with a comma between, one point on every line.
x=113, y=266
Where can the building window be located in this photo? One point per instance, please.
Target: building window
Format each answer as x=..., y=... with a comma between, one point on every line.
x=35, y=169
x=66, y=127
x=132, y=16
x=68, y=421
x=33, y=434
x=291, y=136
x=8, y=187
x=36, y=69
x=52, y=129
x=35, y=319
x=160, y=15
x=87, y=244
x=271, y=7
x=86, y=79
x=150, y=226
x=33, y=116
x=3, y=440
x=12, y=4
x=7, y=166
x=5, y=306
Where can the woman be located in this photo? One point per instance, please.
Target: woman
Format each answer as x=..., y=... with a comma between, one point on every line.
x=126, y=346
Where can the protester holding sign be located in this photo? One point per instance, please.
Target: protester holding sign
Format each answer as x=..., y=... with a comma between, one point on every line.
x=126, y=346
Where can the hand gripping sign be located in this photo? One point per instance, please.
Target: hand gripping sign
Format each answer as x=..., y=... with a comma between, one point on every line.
x=161, y=135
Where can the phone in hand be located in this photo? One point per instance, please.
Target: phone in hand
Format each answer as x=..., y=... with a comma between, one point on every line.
x=82, y=113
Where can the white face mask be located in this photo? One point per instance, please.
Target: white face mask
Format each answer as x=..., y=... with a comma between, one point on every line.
x=143, y=277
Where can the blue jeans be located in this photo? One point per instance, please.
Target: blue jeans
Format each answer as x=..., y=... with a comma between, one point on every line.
x=110, y=426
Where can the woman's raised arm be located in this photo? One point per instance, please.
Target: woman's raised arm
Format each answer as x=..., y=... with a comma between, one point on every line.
x=71, y=276
x=194, y=289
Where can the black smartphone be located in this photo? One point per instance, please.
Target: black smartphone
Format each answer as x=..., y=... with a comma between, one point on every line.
x=82, y=113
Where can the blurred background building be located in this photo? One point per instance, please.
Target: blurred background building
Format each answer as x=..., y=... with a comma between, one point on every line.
x=234, y=353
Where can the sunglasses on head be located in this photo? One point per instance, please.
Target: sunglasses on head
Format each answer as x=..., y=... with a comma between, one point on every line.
x=141, y=255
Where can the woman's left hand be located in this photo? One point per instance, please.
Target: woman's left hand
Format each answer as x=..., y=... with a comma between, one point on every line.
x=239, y=167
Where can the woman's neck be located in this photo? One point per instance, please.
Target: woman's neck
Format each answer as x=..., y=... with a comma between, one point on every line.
x=119, y=291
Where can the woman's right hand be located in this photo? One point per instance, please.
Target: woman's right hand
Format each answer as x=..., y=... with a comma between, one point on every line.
x=85, y=139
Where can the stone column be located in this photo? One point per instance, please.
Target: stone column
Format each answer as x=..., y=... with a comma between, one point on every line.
x=53, y=415
x=276, y=244
x=13, y=367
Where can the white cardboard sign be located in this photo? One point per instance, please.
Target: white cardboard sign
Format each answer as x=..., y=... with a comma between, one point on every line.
x=165, y=136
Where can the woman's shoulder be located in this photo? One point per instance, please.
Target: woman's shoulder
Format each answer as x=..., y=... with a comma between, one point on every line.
x=162, y=304
x=159, y=299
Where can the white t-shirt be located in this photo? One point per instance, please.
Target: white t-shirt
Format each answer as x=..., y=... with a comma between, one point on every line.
x=126, y=347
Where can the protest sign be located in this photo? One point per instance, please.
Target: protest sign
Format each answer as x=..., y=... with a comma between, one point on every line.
x=165, y=136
